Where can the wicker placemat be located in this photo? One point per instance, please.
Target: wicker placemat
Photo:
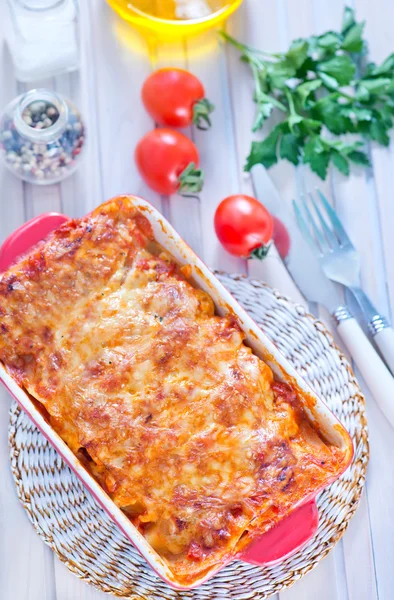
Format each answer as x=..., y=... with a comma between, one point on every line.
x=68, y=519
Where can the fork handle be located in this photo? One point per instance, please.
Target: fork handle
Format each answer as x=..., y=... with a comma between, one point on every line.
x=376, y=375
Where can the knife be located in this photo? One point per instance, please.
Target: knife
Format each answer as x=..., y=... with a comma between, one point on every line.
x=304, y=267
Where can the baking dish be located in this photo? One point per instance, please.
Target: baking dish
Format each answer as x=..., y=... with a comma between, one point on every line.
x=295, y=529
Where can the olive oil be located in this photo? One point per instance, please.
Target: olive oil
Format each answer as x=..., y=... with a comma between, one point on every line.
x=172, y=18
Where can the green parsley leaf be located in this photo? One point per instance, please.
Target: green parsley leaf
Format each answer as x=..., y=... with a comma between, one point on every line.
x=294, y=120
x=329, y=81
x=290, y=148
x=304, y=90
x=372, y=86
x=353, y=41
x=333, y=115
x=265, y=152
x=278, y=74
x=378, y=132
x=340, y=67
x=385, y=114
x=309, y=66
x=361, y=114
x=348, y=19
x=308, y=126
x=297, y=54
x=319, y=164
x=359, y=158
x=362, y=94
x=263, y=112
x=386, y=68
x=319, y=144
x=316, y=157
x=341, y=163
x=330, y=41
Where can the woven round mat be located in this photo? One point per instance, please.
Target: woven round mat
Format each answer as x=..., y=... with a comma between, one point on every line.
x=68, y=519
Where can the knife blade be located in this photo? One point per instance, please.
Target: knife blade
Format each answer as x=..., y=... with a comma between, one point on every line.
x=301, y=262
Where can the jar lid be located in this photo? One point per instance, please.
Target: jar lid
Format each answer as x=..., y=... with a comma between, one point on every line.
x=30, y=102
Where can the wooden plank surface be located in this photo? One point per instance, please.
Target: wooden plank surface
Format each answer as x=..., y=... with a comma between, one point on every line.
x=115, y=61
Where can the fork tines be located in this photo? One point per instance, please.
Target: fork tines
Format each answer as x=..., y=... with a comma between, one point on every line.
x=320, y=224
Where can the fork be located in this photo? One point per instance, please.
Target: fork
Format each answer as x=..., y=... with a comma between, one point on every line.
x=340, y=262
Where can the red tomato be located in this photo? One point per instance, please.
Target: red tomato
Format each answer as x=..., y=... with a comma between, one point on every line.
x=175, y=97
x=167, y=161
x=281, y=238
x=244, y=226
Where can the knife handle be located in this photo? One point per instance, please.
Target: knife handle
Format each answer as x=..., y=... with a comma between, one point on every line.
x=385, y=342
x=383, y=336
x=378, y=325
x=376, y=375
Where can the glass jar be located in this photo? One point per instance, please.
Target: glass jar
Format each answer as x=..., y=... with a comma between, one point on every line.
x=43, y=37
x=41, y=136
x=173, y=18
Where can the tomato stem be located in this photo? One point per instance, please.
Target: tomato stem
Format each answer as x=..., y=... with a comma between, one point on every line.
x=261, y=252
x=191, y=180
x=201, y=111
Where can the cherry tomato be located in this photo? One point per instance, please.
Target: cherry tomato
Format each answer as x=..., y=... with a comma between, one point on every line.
x=175, y=97
x=168, y=162
x=244, y=226
x=281, y=238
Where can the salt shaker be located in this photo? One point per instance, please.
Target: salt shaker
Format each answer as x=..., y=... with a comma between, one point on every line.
x=43, y=37
x=41, y=136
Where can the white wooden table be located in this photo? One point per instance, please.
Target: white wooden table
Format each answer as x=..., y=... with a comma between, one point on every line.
x=115, y=62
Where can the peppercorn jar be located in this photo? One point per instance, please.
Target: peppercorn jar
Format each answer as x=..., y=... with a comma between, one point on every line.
x=41, y=137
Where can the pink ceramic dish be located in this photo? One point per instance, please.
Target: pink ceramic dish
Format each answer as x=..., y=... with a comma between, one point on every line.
x=292, y=532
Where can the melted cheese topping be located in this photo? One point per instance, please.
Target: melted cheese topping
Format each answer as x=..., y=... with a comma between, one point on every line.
x=181, y=424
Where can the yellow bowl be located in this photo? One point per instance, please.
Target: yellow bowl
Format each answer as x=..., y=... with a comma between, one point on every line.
x=157, y=16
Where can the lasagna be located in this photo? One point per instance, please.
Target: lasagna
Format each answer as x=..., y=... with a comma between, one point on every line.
x=182, y=425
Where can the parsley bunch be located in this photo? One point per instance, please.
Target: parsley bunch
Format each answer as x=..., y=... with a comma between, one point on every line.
x=320, y=86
